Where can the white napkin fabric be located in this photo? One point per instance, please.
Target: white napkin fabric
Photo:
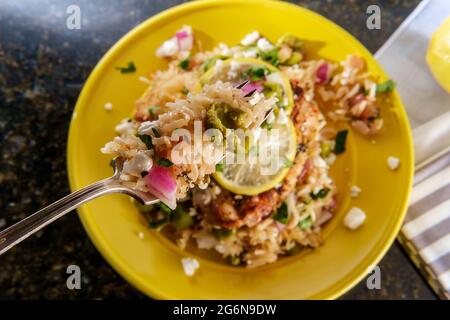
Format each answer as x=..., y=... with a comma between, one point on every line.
x=426, y=232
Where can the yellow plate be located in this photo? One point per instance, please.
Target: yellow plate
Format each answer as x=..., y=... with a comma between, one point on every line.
x=153, y=263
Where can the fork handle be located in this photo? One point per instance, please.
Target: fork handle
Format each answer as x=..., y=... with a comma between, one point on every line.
x=35, y=222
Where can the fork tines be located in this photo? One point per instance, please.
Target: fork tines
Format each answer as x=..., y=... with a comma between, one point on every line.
x=241, y=85
x=250, y=93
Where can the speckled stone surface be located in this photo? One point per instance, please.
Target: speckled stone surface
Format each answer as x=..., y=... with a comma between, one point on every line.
x=42, y=68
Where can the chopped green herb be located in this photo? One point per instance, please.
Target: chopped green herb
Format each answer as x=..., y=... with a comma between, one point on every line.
x=223, y=233
x=163, y=162
x=266, y=125
x=156, y=132
x=210, y=62
x=294, y=250
x=287, y=163
x=164, y=208
x=282, y=214
x=272, y=89
x=147, y=140
x=128, y=69
x=325, y=149
x=234, y=260
x=157, y=224
x=185, y=91
x=319, y=195
x=151, y=111
x=386, y=86
x=143, y=208
x=181, y=218
x=305, y=224
x=341, y=138
x=270, y=56
x=184, y=64
x=219, y=167
x=256, y=73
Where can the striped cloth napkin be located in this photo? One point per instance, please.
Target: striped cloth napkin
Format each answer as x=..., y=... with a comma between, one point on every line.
x=425, y=234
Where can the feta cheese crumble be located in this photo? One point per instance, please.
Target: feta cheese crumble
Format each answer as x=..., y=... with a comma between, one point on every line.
x=218, y=66
x=234, y=67
x=168, y=49
x=282, y=117
x=264, y=45
x=108, y=106
x=252, y=53
x=190, y=265
x=355, y=191
x=393, y=163
x=354, y=218
x=250, y=38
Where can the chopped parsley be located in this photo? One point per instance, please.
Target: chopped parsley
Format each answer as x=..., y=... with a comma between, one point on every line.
x=223, y=233
x=320, y=195
x=256, y=73
x=294, y=250
x=157, y=224
x=270, y=56
x=151, y=111
x=386, y=86
x=305, y=224
x=163, y=162
x=282, y=214
x=219, y=167
x=208, y=64
x=164, y=208
x=234, y=260
x=266, y=125
x=184, y=64
x=130, y=68
x=147, y=140
x=341, y=138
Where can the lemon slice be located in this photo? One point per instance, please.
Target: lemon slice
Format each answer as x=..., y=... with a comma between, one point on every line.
x=231, y=70
x=265, y=171
x=438, y=55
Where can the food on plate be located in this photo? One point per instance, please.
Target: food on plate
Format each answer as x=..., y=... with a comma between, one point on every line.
x=438, y=55
x=237, y=143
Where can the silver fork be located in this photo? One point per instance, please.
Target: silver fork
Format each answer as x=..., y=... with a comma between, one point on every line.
x=35, y=222
x=38, y=220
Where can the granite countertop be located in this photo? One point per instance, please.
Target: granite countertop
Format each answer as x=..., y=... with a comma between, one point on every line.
x=43, y=66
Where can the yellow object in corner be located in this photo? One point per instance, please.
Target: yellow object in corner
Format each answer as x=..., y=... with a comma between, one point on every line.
x=438, y=55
